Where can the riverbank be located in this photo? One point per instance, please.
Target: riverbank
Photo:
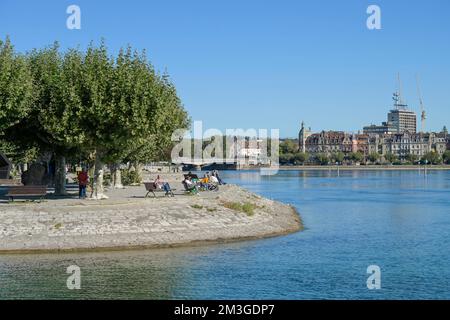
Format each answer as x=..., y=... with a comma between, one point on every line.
x=128, y=220
x=371, y=167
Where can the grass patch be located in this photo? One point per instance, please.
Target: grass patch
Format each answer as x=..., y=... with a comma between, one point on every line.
x=249, y=208
x=196, y=206
x=211, y=209
x=246, y=207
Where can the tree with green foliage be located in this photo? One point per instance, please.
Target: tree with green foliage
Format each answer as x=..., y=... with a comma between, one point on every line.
x=288, y=148
x=338, y=157
x=432, y=158
x=88, y=106
x=155, y=143
x=16, y=99
x=356, y=157
x=129, y=111
x=300, y=158
x=322, y=159
x=446, y=157
x=16, y=86
x=286, y=158
x=390, y=157
x=290, y=153
x=374, y=157
x=412, y=158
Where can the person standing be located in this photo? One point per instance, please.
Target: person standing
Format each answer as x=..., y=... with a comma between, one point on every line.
x=83, y=180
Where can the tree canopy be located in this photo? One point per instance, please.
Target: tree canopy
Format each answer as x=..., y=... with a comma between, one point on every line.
x=87, y=104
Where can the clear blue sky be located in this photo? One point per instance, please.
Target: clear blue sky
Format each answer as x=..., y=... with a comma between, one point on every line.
x=267, y=64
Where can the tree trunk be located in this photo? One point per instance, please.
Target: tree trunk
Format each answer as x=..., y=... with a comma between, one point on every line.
x=138, y=168
x=116, y=176
x=98, y=189
x=60, y=175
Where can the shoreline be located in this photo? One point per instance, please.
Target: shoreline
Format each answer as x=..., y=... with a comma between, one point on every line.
x=372, y=168
x=128, y=221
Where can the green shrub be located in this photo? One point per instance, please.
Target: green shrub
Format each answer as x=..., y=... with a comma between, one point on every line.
x=248, y=208
x=130, y=177
x=245, y=207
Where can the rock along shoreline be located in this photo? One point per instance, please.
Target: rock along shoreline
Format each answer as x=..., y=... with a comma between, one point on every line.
x=129, y=221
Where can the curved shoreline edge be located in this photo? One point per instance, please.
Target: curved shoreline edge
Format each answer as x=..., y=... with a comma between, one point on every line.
x=134, y=223
x=365, y=168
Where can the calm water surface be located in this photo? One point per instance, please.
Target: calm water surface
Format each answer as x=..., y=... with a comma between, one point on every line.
x=398, y=220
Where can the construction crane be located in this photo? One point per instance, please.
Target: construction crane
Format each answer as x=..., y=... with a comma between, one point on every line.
x=399, y=104
x=423, y=116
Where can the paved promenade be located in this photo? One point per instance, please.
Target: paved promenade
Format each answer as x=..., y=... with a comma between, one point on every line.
x=128, y=220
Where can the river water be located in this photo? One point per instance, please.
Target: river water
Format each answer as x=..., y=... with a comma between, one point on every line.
x=397, y=220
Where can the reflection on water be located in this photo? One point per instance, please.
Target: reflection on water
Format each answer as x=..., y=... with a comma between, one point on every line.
x=399, y=220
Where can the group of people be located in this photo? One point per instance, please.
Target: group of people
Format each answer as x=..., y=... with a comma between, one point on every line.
x=210, y=181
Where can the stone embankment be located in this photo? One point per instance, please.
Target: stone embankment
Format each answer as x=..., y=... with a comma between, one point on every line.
x=128, y=220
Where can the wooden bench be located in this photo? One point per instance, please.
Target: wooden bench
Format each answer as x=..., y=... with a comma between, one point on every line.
x=10, y=182
x=26, y=192
x=150, y=187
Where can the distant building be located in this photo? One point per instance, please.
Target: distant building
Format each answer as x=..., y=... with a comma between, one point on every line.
x=398, y=136
x=382, y=129
x=404, y=144
x=399, y=120
x=403, y=120
x=329, y=142
x=399, y=144
x=302, y=136
x=446, y=136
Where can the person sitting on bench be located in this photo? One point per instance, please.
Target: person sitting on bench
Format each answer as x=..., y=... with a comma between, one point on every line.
x=204, y=182
x=213, y=179
x=216, y=175
x=159, y=183
x=189, y=185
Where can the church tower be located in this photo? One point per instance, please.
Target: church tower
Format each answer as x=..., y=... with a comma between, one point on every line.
x=302, y=136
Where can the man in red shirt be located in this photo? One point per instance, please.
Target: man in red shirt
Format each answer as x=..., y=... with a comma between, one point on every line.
x=83, y=179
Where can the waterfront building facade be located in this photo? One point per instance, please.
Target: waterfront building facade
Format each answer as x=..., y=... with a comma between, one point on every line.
x=399, y=144
x=397, y=136
x=404, y=144
x=329, y=142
